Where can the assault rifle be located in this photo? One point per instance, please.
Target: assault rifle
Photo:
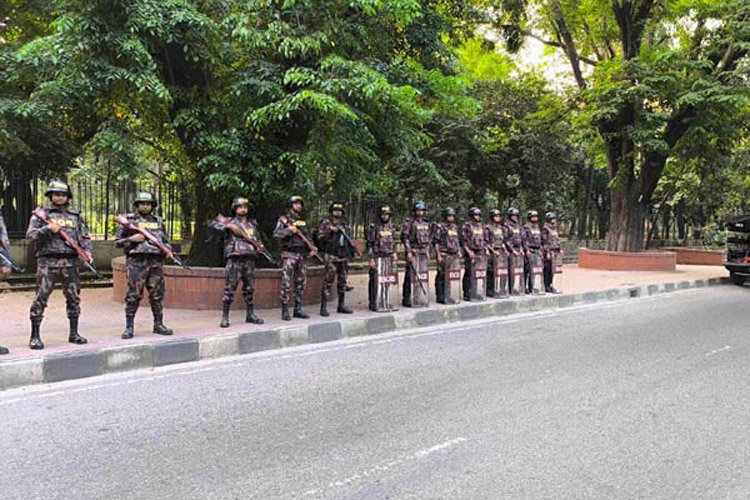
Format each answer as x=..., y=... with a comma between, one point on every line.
x=123, y=220
x=10, y=264
x=85, y=257
x=237, y=231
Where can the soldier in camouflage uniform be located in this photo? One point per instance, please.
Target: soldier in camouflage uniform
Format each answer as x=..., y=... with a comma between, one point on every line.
x=531, y=240
x=338, y=251
x=145, y=263
x=288, y=229
x=513, y=244
x=447, y=241
x=552, y=248
x=57, y=261
x=416, y=236
x=495, y=233
x=381, y=243
x=474, y=245
x=240, y=256
x=5, y=250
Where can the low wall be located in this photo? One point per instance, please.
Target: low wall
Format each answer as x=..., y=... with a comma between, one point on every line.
x=698, y=256
x=202, y=287
x=627, y=261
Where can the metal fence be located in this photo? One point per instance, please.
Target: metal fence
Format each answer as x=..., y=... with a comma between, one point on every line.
x=98, y=199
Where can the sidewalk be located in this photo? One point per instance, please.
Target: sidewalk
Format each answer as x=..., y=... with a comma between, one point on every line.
x=102, y=319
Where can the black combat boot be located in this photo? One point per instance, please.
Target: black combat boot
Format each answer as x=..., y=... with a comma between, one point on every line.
x=225, y=315
x=35, y=342
x=342, y=304
x=285, y=312
x=250, y=316
x=159, y=327
x=4, y=350
x=324, y=306
x=348, y=288
x=129, y=329
x=73, y=336
x=298, y=312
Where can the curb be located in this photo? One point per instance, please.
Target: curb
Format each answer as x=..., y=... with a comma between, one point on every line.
x=59, y=367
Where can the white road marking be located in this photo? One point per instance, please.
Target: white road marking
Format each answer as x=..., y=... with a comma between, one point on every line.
x=388, y=465
x=85, y=385
x=717, y=351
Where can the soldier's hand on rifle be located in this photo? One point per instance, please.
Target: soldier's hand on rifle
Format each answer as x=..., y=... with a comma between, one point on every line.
x=137, y=238
x=335, y=229
x=439, y=258
x=372, y=264
x=293, y=229
x=409, y=256
x=394, y=257
x=261, y=247
x=5, y=270
x=313, y=252
x=89, y=258
x=53, y=227
x=470, y=254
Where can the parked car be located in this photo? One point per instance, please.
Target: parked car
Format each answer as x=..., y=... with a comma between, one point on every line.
x=737, y=257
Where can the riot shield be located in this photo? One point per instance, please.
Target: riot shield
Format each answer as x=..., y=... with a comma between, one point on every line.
x=387, y=292
x=536, y=272
x=420, y=281
x=515, y=274
x=499, y=269
x=557, y=262
x=478, y=278
x=452, y=272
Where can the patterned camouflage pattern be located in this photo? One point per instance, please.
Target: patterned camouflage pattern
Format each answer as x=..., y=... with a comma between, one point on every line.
x=414, y=293
x=448, y=280
x=52, y=270
x=475, y=277
x=383, y=292
x=235, y=246
x=239, y=269
x=512, y=235
x=448, y=242
x=331, y=240
x=416, y=235
x=293, y=275
x=337, y=271
x=51, y=244
x=474, y=236
x=147, y=271
x=291, y=242
x=381, y=239
x=531, y=240
x=151, y=223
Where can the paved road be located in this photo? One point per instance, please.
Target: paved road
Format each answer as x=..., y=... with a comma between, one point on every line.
x=644, y=399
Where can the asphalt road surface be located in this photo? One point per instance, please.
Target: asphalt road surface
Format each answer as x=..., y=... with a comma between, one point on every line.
x=644, y=399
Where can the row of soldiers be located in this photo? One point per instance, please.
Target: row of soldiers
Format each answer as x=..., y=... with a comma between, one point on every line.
x=61, y=238
x=505, y=257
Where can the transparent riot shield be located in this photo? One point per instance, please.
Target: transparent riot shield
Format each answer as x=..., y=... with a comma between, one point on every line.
x=420, y=281
x=536, y=272
x=387, y=291
x=557, y=262
x=515, y=274
x=499, y=268
x=478, y=279
x=452, y=269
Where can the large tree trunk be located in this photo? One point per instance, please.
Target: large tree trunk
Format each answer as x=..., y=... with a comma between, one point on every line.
x=627, y=219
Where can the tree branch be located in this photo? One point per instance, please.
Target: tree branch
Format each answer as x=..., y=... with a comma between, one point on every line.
x=570, y=48
x=558, y=45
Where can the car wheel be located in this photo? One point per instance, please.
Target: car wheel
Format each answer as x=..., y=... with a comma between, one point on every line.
x=737, y=279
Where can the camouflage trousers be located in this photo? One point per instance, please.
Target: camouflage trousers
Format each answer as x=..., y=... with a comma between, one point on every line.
x=145, y=272
x=235, y=270
x=293, y=272
x=49, y=271
x=337, y=271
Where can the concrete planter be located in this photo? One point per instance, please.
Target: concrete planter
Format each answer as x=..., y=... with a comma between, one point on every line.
x=698, y=256
x=627, y=261
x=202, y=287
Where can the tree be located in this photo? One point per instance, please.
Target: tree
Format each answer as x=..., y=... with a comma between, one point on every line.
x=653, y=77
